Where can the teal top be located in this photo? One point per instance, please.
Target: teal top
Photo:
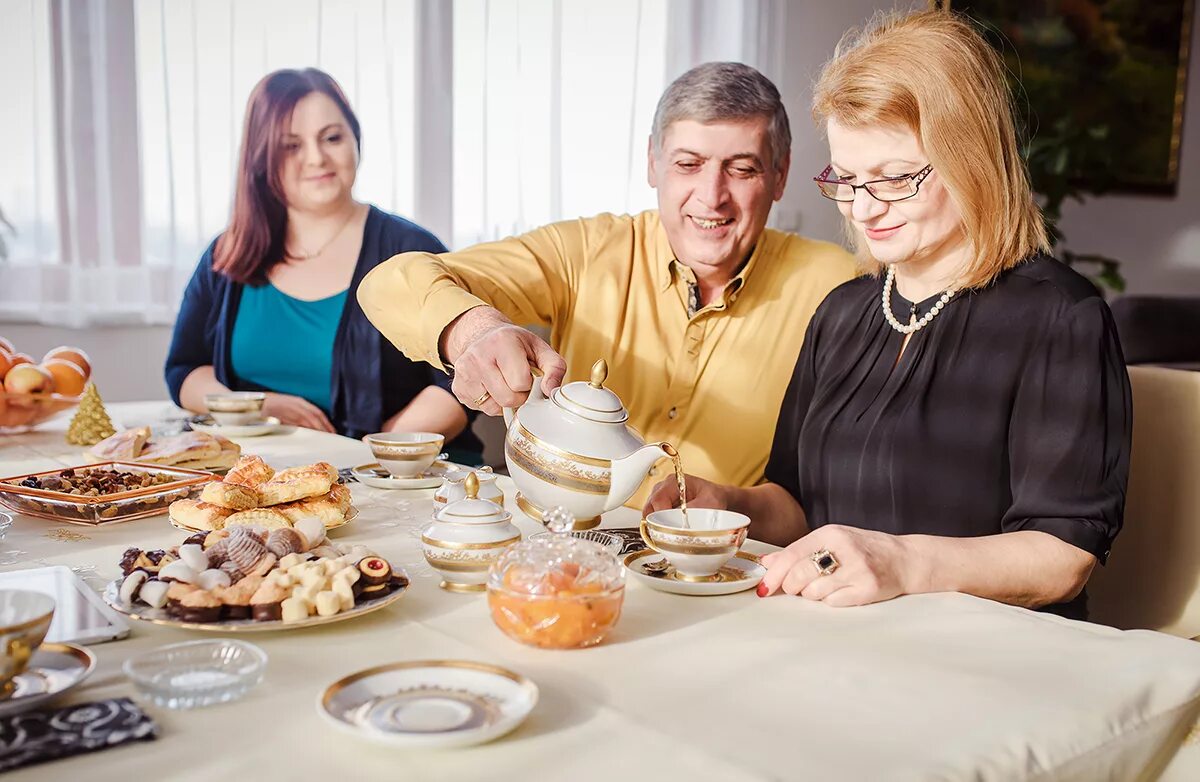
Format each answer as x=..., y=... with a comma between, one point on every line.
x=286, y=344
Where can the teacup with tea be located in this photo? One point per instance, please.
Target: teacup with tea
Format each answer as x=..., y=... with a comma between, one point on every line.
x=698, y=541
x=24, y=620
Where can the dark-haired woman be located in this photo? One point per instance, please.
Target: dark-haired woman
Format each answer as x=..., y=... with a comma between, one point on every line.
x=269, y=309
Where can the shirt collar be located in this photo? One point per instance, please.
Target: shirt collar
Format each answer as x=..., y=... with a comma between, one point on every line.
x=667, y=266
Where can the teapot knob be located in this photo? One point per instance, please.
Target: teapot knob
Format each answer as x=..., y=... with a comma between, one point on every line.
x=599, y=374
x=471, y=485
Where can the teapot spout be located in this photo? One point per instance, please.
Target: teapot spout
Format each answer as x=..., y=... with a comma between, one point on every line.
x=629, y=472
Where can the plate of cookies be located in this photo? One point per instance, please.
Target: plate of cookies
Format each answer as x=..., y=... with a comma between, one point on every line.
x=254, y=494
x=250, y=579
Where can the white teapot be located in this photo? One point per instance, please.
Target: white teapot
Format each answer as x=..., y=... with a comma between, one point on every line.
x=573, y=449
x=466, y=537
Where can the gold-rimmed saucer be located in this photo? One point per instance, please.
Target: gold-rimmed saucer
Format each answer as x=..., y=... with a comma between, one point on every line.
x=268, y=425
x=740, y=573
x=53, y=670
x=429, y=703
x=158, y=616
x=351, y=515
x=375, y=476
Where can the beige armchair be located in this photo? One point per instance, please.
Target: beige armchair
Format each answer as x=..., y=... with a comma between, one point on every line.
x=1152, y=579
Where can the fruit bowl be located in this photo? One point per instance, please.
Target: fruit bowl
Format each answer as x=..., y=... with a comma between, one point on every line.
x=19, y=412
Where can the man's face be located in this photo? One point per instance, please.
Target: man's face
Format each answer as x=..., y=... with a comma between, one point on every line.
x=716, y=183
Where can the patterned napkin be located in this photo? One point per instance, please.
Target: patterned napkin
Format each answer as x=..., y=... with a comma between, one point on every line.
x=38, y=736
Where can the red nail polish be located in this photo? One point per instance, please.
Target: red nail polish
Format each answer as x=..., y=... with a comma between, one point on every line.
x=762, y=590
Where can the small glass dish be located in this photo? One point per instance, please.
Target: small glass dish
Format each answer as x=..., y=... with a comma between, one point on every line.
x=6, y=521
x=612, y=542
x=197, y=673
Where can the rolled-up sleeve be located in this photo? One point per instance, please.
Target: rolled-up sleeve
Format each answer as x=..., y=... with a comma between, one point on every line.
x=1070, y=430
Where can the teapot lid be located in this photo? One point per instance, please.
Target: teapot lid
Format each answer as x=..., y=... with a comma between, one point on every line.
x=591, y=400
x=471, y=509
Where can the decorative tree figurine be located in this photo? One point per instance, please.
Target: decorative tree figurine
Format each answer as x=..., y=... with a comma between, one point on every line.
x=91, y=423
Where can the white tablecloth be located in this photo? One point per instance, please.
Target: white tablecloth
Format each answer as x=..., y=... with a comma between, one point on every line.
x=722, y=688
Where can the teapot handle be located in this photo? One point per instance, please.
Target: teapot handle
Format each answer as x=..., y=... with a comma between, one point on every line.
x=535, y=394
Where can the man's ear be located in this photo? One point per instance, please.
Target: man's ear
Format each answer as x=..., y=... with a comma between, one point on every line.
x=781, y=183
x=651, y=173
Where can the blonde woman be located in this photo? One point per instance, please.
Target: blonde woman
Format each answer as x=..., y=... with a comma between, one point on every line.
x=959, y=419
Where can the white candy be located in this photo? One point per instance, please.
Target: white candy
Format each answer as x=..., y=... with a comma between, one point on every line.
x=328, y=603
x=342, y=589
x=331, y=566
x=179, y=571
x=343, y=548
x=295, y=609
x=314, y=578
x=350, y=575
x=282, y=578
x=129, y=587
x=212, y=578
x=194, y=556
x=312, y=528
x=291, y=560
x=154, y=593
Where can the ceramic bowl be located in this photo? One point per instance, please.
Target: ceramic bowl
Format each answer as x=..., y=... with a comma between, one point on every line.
x=24, y=619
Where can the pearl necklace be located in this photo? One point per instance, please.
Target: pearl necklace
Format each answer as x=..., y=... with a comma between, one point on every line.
x=912, y=327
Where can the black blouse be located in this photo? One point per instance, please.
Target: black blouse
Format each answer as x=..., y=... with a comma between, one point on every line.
x=1009, y=411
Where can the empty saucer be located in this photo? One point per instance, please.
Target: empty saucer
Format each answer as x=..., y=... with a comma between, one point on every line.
x=53, y=669
x=429, y=703
x=740, y=573
x=268, y=425
x=374, y=475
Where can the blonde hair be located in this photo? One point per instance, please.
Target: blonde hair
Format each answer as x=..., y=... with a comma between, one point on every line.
x=932, y=73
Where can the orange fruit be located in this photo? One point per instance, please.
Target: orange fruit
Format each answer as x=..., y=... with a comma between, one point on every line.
x=21, y=358
x=5, y=362
x=7, y=345
x=69, y=379
x=75, y=355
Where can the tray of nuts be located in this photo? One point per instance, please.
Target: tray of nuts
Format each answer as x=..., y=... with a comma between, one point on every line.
x=101, y=493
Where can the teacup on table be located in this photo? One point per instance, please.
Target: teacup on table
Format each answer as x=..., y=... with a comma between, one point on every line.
x=235, y=408
x=699, y=549
x=24, y=620
x=406, y=454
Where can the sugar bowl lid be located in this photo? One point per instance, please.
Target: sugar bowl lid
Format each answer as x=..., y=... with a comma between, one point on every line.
x=590, y=399
x=459, y=474
x=546, y=565
x=472, y=509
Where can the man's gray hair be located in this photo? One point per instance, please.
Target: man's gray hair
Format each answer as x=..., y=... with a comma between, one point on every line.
x=723, y=91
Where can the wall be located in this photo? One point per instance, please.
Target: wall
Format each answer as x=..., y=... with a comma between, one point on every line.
x=1156, y=238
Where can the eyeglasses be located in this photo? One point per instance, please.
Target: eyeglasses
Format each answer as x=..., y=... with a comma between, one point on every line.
x=894, y=188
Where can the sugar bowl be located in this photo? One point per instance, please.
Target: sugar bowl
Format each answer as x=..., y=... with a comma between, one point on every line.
x=453, y=487
x=466, y=537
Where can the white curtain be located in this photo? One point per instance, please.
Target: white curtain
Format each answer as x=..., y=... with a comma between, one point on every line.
x=481, y=119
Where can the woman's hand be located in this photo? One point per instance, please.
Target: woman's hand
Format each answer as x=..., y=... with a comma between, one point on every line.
x=296, y=411
x=700, y=494
x=872, y=567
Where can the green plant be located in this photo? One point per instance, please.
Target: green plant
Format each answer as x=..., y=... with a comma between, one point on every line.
x=1056, y=157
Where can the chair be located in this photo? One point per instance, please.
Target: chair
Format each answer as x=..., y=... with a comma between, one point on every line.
x=1159, y=330
x=1152, y=579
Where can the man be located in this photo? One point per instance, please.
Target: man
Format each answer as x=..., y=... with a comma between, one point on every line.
x=699, y=311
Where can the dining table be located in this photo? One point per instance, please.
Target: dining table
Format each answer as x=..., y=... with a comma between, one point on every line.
x=732, y=687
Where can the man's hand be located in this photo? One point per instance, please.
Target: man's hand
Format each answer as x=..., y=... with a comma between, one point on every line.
x=492, y=357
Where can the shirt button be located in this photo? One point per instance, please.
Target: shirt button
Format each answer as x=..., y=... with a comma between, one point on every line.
x=672, y=413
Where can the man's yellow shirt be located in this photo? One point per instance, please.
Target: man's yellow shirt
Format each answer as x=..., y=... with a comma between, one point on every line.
x=709, y=382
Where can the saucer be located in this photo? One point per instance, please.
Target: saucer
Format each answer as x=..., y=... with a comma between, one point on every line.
x=429, y=703
x=53, y=669
x=740, y=573
x=372, y=475
x=206, y=424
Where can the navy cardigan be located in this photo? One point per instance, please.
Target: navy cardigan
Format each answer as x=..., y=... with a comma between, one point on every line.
x=371, y=379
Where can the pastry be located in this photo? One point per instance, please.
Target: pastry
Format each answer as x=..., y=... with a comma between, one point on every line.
x=237, y=597
x=245, y=551
x=264, y=566
x=196, y=514
x=178, y=571
x=250, y=471
x=122, y=446
x=266, y=602
x=196, y=538
x=231, y=568
x=313, y=530
x=213, y=578
x=189, y=446
x=199, y=606
x=149, y=561
x=325, y=508
x=222, y=461
x=229, y=495
x=298, y=483
x=266, y=518
x=177, y=591
x=282, y=542
x=375, y=571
